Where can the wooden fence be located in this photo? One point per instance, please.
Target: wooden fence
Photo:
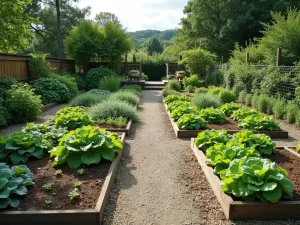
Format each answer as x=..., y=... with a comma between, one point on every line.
x=17, y=66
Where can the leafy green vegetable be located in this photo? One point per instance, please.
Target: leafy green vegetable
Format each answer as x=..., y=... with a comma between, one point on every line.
x=208, y=138
x=182, y=110
x=254, y=122
x=20, y=146
x=175, y=104
x=172, y=98
x=243, y=113
x=13, y=183
x=261, y=142
x=229, y=108
x=219, y=156
x=86, y=145
x=212, y=115
x=191, y=122
x=256, y=178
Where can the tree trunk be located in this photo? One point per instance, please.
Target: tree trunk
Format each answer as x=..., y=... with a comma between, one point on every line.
x=58, y=28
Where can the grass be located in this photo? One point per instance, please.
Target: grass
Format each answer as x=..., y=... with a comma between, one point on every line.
x=87, y=100
x=110, y=83
x=203, y=101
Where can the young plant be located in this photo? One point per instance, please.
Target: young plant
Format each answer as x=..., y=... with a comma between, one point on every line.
x=254, y=122
x=74, y=194
x=48, y=202
x=48, y=186
x=291, y=112
x=191, y=122
x=228, y=108
x=80, y=171
x=212, y=115
x=77, y=184
x=58, y=173
x=279, y=108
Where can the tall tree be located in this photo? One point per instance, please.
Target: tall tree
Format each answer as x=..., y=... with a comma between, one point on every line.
x=103, y=18
x=154, y=45
x=14, y=25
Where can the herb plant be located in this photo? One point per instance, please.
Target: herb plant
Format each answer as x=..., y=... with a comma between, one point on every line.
x=212, y=115
x=254, y=122
x=191, y=122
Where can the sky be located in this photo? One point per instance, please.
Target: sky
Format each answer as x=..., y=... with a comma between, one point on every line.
x=140, y=14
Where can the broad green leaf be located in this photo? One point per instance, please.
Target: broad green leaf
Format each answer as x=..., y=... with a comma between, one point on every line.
x=14, y=202
x=3, y=182
x=74, y=161
x=4, y=203
x=91, y=157
x=107, y=154
x=4, y=193
x=274, y=195
x=17, y=159
x=20, y=190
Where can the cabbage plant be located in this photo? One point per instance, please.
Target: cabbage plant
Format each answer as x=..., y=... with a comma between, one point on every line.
x=212, y=115
x=243, y=113
x=254, y=122
x=182, y=110
x=175, y=104
x=191, y=122
x=229, y=108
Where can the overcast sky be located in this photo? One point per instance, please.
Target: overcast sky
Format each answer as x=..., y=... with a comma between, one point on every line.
x=140, y=14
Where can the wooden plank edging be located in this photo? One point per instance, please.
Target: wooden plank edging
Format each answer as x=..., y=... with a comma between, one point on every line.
x=125, y=130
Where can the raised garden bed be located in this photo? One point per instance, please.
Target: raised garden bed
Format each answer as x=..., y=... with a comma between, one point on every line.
x=242, y=210
x=125, y=130
x=89, y=211
x=231, y=127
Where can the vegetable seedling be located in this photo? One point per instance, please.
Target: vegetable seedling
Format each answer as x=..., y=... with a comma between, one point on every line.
x=48, y=186
x=80, y=172
x=74, y=194
x=48, y=202
x=77, y=184
x=58, y=172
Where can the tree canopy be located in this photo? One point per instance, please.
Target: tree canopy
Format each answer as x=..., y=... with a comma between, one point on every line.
x=154, y=45
x=103, y=18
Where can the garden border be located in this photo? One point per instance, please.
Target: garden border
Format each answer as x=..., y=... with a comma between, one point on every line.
x=241, y=210
x=63, y=217
x=193, y=133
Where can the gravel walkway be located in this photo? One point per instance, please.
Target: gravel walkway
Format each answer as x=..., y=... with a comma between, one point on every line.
x=159, y=181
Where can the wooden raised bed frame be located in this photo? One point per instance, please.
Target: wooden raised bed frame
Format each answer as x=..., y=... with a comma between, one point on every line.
x=241, y=210
x=63, y=217
x=125, y=130
x=193, y=133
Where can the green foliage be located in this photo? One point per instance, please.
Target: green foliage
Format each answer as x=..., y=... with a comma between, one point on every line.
x=265, y=104
x=208, y=138
x=127, y=97
x=174, y=85
x=172, y=98
x=4, y=116
x=74, y=194
x=191, y=122
x=167, y=91
x=70, y=83
x=191, y=81
x=279, y=109
x=119, y=122
x=110, y=83
x=94, y=76
x=182, y=110
x=261, y=142
x=189, y=89
x=87, y=100
x=13, y=184
x=80, y=171
x=135, y=89
x=297, y=119
x=226, y=96
x=254, y=122
x=51, y=90
x=39, y=67
x=297, y=95
x=99, y=92
x=243, y=113
x=248, y=99
x=219, y=155
x=203, y=101
x=214, y=79
x=78, y=78
x=113, y=109
x=201, y=90
x=22, y=103
x=103, y=18
x=242, y=97
x=229, y=108
x=20, y=146
x=256, y=178
x=154, y=45
x=291, y=112
x=215, y=90
x=212, y=115
x=175, y=104
x=198, y=60
x=86, y=146
x=145, y=77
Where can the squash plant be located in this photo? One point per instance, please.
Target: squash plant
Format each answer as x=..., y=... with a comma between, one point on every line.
x=254, y=122
x=243, y=113
x=191, y=122
x=182, y=110
x=254, y=177
x=86, y=146
x=229, y=108
x=13, y=183
x=212, y=115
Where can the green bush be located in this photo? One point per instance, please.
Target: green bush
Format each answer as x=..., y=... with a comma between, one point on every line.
x=238, y=87
x=191, y=81
x=215, y=90
x=214, y=79
x=145, y=77
x=279, y=108
x=226, y=96
x=127, y=97
x=248, y=99
x=4, y=116
x=242, y=96
x=110, y=83
x=99, y=92
x=297, y=96
x=297, y=122
x=265, y=104
x=70, y=83
x=77, y=78
x=174, y=85
x=22, y=103
x=39, y=67
x=94, y=76
x=113, y=109
x=167, y=91
x=243, y=113
x=201, y=90
x=203, y=101
x=189, y=89
x=51, y=90
x=87, y=100
x=291, y=112
x=254, y=101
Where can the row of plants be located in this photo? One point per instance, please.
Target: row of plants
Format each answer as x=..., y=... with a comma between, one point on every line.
x=241, y=164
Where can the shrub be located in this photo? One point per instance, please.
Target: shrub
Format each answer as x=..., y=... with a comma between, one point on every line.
x=238, y=87
x=189, y=89
x=51, y=90
x=167, y=91
x=191, y=81
x=113, y=109
x=297, y=122
x=229, y=108
x=254, y=101
x=86, y=146
x=110, y=83
x=174, y=85
x=212, y=115
x=127, y=97
x=297, y=96
x=248, y=99
x=87, y=100
x=77, y=78
x=70, y=83
x=4, y=116
x=226, y=96
x=145, y=77
x=215, y=90
x=191, y=122
x=22, y=103
x=291, y=112
x=262, y=103
x=201, y=90
x=216, y=78
x=39, y=67
x=203, y=101
x=279, y=108
x=99, y=92
x=242, y=96
x=94, y=76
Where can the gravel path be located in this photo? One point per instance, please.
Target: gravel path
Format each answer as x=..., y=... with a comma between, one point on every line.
x=159, y=181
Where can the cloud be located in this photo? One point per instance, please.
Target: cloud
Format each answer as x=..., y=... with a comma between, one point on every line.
x=140, y=14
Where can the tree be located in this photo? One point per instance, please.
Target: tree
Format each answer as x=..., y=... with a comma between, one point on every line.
x=14, y=26
x=153, y=45
x=103, y=18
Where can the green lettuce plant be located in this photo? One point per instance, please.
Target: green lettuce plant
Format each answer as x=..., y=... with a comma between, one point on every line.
x=208, y=138
x=254, y=177
x=175, y=104
x=254, y=122
x=229, y=108
x=182, y=110
x=20, y=146
x=243, y=113
x=172, y=98
x=191, y=122
x=212, y=115
x=86, y=146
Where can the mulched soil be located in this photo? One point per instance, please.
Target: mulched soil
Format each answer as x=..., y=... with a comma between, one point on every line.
x=230, y=124
x=106, y=125
x=91, y=184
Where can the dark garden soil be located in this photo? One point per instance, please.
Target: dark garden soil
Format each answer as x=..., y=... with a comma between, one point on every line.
x=290, y=163
x=91, y=184
x=107, y=125
x=230, y=124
